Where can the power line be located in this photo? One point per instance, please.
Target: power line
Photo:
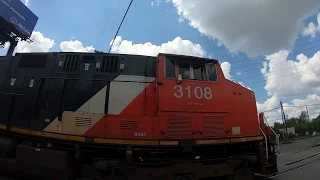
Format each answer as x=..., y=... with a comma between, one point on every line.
x=129, y=14
x=258, y=75
x=240, y=61
x=120, y=25
x=106, y=22
x=247, y=70
x=276, y=81
x=270, y=110
x=102, y=24
x=288, y=75
x=278, y=107
x=303, y=105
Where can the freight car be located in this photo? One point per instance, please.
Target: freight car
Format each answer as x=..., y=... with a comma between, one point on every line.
x=116, y=116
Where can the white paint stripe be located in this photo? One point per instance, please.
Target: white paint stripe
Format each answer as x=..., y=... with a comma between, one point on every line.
x=120, y=96
x=123, y=93
x=96, y=104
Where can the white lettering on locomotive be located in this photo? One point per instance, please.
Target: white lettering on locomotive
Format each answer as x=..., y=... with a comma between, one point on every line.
x=136, y=134
x=198, y=92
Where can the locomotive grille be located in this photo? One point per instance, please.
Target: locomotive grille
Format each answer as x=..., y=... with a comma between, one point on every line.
x=70, y=63
x=109, y=64
x=178, y=127
x=213, y=126
x=82, y=121
x=128, y=124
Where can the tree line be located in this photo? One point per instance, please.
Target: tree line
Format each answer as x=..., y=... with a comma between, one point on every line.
x=302, y=125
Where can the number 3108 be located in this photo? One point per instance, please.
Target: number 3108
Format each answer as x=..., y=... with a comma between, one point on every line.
x=197, y=92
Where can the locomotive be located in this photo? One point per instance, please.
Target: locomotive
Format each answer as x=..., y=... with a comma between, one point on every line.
x=67, y=115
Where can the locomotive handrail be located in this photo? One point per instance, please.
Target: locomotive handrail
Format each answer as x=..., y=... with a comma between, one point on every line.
x=37, y=82
x=277, y=136
x=266, y=141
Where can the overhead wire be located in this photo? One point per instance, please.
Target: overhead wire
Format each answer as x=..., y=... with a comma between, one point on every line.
x=261, y=75
x=108, y=17
x=303, y=105
x=120, y=25
x=247, y=70
x=102, y=24
x=275, y=81
x=265, y=54
x=130, y=12
x=258, y=75
x=288, y=75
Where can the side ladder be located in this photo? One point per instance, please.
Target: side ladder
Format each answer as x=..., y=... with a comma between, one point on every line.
x=270, y=150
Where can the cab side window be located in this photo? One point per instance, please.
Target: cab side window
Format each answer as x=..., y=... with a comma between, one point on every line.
x=184, y=70
x=170, y=66
x=212, y=72
x=198, y=71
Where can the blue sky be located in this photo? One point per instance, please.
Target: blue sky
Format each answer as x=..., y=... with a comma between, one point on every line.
x=239, y=35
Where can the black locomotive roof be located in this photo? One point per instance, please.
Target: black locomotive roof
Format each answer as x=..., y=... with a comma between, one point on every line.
x=136, y=55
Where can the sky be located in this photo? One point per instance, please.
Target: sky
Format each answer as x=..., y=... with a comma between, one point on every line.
x=271, y=47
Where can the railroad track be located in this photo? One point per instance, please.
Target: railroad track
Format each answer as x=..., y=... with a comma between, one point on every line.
x=299, y=150
x=294, y=169
x=300, y=166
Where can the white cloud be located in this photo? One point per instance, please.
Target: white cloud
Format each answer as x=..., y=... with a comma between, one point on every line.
x=250, y=26
x=75, y=46
x=286, y=78
x=313, y=111
x=26, y=2
x=176, y=46
x=292, y=109
x=226, y=68
x=39, y=44
x=242, y=84
x=239, y=73
x=311, y=30
x=156, y=2
x=270, y=103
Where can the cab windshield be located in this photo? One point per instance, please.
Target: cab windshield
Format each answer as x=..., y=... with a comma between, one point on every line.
x=190, y=70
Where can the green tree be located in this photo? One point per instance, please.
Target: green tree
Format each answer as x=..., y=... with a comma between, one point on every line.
x=315, y=123
x=303, y=117
x=278, y=126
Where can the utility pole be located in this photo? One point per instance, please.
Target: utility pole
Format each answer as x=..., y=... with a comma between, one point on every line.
x=284, y=122
x=309, y=123
x=307, y=114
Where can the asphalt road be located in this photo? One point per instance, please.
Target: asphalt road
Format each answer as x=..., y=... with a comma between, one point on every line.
x=296, y=161
x=299, y=160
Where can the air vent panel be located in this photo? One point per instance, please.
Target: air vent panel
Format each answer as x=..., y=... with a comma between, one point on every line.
x=213, y=126
x=70, y=63
x=178, y=127
x=82, y=121
x=109, y=64
x=128, y=124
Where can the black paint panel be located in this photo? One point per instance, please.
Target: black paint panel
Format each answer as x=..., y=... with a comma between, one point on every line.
x=5, y=105
x=61, y=82
x=4, y=66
